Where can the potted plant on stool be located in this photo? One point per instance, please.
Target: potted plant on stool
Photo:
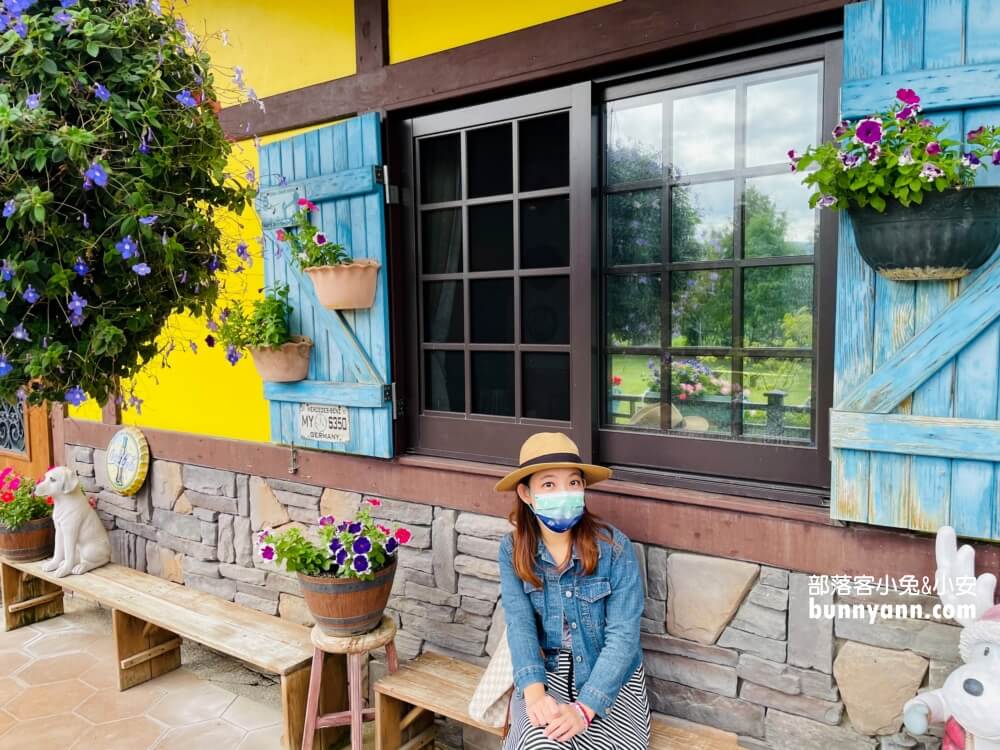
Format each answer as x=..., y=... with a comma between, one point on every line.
x=26, y=529
x=910, y=192
x=345, y=569
x=341, y=283
x=278, y=356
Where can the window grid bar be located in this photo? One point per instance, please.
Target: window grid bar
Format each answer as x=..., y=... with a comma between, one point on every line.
x=466, y=286
x=516, y=185
x=739, y=185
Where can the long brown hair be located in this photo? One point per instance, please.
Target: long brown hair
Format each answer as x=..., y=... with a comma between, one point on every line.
x=584, y=538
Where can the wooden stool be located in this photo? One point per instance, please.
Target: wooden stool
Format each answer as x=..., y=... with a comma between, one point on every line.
x=356, y=648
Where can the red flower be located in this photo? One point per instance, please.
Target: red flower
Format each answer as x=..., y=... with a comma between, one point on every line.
x=49, y=501
x=616, y=380
x=373, y=501
x=280, y=235
x=7, y=497
x=403, y=535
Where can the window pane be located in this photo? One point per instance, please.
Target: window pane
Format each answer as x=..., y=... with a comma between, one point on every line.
x=634, y=140
x=440, y=169
x=781, y=115
x=490, y=161
x=545, y=310
x=491, y=237
x=777, y=219
x=701, y=392
x=544, y=146
x=443, y=312
x=493, y=383
x=701, y=308
x=634, y=225
x=444, y=376
x=545, y=382
x=704, y=132
x=778, y=399
x=629, y=392
x=701, y=221
x=777, y=306
x=492, y=307
x=634, y=310
x=442, y=241
x=545, y=233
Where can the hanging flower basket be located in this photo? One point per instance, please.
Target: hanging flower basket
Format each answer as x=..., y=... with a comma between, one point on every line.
x=287, y=363
x=347, y=286
x=34, y=540
x=945, y=237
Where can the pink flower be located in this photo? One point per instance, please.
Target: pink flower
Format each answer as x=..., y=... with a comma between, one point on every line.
x=373, y=501
x=682, y=396
x=384, y=529
x=724, y=390
x=793, y=160
x=403, y=535
x=907, y=96
x=15, y=483
x=975, y=135
x=262, y=535
x=326, y=520
x=280, y=235
x=925, y=123
x=267, y=552
x=5, y=473
x=933, y=148
x=698, y=387
x=308, y=204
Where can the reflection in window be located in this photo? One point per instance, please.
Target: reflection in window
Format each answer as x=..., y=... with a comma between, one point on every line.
x=779, y=117
x=635, y=140
x=634, y=227
x=701, y=221
x=777, y=217
x=701, y=308
x=704, y=132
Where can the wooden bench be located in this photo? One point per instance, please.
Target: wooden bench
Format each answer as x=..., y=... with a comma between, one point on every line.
x=150, y=616
x=405, y=704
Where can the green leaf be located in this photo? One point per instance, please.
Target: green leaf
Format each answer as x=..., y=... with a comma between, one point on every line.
x=93, y=49
x=878, y=203
x=40, y=214
x=50, y=67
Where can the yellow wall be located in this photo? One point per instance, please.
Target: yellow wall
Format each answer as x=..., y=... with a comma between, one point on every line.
x=420, y=27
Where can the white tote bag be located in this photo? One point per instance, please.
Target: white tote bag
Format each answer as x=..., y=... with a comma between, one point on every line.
x=491, y=701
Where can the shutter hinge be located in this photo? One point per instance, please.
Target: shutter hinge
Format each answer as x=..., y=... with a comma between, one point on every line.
x=389, y=394
x=382, y=178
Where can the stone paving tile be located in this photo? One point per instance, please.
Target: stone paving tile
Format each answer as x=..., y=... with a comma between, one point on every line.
x=52, y=733
x=135, y=733
x=212, y=735
x=192, y=705
x=46, y=700
x=248, y=714
x=11, y=661
x=112, y=705
x=56, y=668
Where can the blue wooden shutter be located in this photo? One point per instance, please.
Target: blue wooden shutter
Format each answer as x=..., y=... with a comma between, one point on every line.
x=914, y=431
x=339, y=169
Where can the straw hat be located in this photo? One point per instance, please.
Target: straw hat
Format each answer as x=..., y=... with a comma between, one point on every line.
x=550, y=450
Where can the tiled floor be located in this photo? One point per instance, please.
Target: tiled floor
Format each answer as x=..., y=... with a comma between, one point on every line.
x=57, y=692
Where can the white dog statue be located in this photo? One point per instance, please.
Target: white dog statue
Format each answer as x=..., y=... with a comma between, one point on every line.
x=969, y=701
x=82, y=542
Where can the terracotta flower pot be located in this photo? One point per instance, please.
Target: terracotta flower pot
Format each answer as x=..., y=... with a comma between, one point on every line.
x=287, y=363
x=347, y=606
x=34, y=540
x=349, y=286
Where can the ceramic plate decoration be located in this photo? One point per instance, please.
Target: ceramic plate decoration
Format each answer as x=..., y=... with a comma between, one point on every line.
x=128, y=461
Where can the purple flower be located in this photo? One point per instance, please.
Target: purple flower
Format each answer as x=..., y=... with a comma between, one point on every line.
x=101, y=92
x=144, y=142
x=931, y=173
x=135, y=402
x=62, y=18
x=5, y=366
x=925, y=123
x=6, y=270
x=906, y=113
x=996, y=158
x=81, y=267
x=31, y=295
x=971, y=161
x=20, y=333
x=21, y=29
x=390, y=545
x=238, y=77
x=243, y=251
x=224, y=315
x=68, y=3
x=213, y=263
x=232, y=354
x=210, y=341
x=95, y=175
x=319, y=238
x=186, y=99
x=75, y=395
x=974, y=135
x=194, y=347
x=33, y=101
x=933, y=148
x=212, y=326
x=355, y=527
x=343, y=526
x=267, y=552
x=360, y=563
x=826, y=201
x=361, y=545
x=77, y=303
x=908, y=96
x=76, y=320
x=874, y=152
x=85, y=221
x=850, y=161
x=335, y=544
x=142, y=269
x=148, y=220
x=9, y=208
x=251, y=175
x=326, y=520
x=340, y=557
x=127, y=247
x=906, y=158
x=869, y=131
x=841, y=130
x=793, y=160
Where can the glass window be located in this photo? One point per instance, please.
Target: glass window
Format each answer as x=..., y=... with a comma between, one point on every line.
x=719, y=300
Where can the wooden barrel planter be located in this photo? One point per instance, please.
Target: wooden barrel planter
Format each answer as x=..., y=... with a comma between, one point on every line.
x=34, y=540
x=347, y=606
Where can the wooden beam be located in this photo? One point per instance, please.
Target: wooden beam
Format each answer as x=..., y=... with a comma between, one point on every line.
x=150, y=653
x=627, y=31
x=943, y=437
x=35, y=601
x=111, y=412
x=942, y=89
x=371, y=34
x=924, y=354
x=326, y=392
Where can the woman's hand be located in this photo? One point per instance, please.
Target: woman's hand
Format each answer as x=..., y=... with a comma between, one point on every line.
x=567, y=725
x=542, y=707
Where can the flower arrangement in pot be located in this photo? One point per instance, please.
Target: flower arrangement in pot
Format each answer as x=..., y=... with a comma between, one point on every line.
x=909, y=190
x=263, y=330
x=345, y=569
x=26, y=529
x=341, y=283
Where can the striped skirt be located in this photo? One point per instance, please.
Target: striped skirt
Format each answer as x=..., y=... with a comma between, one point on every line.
x=625, y=727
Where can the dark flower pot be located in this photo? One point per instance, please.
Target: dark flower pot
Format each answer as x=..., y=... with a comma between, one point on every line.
x=945, y=237
x=347, y=606
x=34, y=540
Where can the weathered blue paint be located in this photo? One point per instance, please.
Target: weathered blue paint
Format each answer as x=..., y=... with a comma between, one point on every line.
x=914, y=363
x=334, y=168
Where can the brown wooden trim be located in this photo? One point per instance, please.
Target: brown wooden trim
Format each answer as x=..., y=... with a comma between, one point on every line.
x=627, y=31
x=111, y=412
x=57, y=429
x=371, y=34
x=799, y=538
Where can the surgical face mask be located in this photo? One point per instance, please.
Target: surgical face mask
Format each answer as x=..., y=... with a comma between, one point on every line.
x=559, y=511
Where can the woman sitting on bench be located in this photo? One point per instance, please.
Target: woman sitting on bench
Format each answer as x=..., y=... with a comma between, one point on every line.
x=572, y=597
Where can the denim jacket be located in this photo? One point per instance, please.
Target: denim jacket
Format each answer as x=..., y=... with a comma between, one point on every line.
x=602, y=611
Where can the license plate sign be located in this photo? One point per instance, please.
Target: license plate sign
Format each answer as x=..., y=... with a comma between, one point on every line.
x=328, y=423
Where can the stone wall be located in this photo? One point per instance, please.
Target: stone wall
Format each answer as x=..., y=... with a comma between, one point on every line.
x=727, y=643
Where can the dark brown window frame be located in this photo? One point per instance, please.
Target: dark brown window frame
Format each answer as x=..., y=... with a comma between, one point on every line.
x=806, y=466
